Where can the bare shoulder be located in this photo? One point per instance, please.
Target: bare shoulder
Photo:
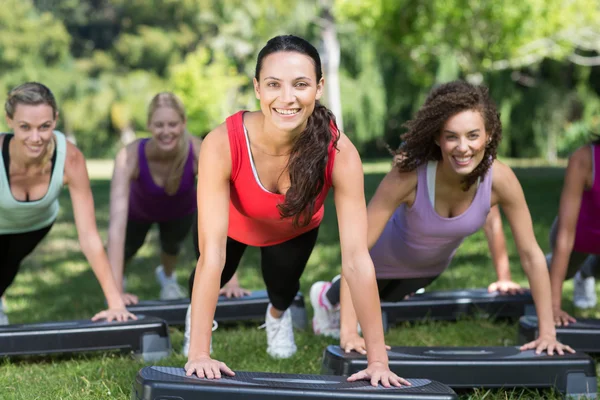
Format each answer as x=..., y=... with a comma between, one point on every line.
x=502, y=174
x=345, y=147
x=126, y=161
x=217, y=140
x=582, y=158
x=74, y=157
x=505, y=184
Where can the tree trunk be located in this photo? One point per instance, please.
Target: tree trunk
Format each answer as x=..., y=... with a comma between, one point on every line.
x=331, y=61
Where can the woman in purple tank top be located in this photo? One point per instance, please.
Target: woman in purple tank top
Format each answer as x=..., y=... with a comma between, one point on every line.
x=440, y=191
x=575, y=234
x=154, y=181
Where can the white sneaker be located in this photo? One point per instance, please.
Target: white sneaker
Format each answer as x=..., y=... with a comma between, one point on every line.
x=171, y=291
x=280, y=335
x=326, y=320
x=169, y=288
x=3, y=317
x=584, y=292
x=186, y=336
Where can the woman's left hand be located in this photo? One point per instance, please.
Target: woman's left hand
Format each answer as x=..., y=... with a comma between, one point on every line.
x=235, y=291
x=548, y=343
x=378, y=372
x=114, y=314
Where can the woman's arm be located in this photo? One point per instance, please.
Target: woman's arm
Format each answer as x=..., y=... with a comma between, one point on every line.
x=85, y=220
x=497, y=245
x=507, y=191
x=578, y=170
x=125, y=163
x=214, y=172
x=357, y=267
x=395, y=188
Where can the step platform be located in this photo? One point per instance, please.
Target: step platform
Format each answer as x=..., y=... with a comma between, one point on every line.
x=475, y=367
x=147, y=337
x=248, y=308
x=450, y=305
x=583, y=335
x=158, y=383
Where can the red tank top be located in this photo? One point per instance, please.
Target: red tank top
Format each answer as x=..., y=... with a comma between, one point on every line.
x=254, y=218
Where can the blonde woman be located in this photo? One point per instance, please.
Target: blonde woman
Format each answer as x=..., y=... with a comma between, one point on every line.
x=37, y=161
x=154, y=181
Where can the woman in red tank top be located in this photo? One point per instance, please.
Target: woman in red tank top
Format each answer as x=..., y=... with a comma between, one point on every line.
x=264, y=177
x=575, y=234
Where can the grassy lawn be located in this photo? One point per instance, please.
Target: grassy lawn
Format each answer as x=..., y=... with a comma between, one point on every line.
x=56, y=283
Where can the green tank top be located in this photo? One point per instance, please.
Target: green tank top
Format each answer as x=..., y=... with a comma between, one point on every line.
x=26, y=216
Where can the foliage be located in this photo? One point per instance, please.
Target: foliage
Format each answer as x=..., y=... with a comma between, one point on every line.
x=105, y=59
x=209, y=87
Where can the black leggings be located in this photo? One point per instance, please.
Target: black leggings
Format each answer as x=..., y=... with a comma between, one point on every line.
x=171, y=235
x=14, y=247
x=282, y=265
x=389, y=289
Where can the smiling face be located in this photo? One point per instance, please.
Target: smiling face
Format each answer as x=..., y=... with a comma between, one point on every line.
x=287, y=89
x=167, y=128
x=33, y=127
x=462, y=142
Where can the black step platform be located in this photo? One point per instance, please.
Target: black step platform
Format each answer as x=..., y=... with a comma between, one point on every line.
x=147, y=337
x=158, y=383
x=247, y=308
x=449, y=305
x=474, y=367
x=583, y=335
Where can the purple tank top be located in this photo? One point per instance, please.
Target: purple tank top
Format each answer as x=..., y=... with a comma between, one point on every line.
x=149, y=202
x=419, y=243
x=587, y=232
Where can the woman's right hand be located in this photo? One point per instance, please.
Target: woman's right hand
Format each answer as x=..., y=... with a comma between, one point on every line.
x=206, y=367
x=561, y=318
x=129, y=299
x=355, y=342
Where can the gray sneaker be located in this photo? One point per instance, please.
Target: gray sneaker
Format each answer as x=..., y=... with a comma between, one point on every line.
x=584, y=291
x=3, y=317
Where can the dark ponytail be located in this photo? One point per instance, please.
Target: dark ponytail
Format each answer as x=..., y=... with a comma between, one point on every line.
x=307, y=166
x=309, y=155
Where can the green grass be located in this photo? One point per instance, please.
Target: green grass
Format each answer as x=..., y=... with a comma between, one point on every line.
x=55, y=283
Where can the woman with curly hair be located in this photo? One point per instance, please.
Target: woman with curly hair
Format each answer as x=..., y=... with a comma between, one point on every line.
x=439, y=192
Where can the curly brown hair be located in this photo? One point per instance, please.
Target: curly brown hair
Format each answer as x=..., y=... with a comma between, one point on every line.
x=443, y=102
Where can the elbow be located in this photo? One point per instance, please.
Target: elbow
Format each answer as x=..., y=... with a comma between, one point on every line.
x=533, y=260
x=90, y=244
x=358, y=264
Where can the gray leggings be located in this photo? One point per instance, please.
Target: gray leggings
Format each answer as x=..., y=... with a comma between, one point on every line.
x=587, y=264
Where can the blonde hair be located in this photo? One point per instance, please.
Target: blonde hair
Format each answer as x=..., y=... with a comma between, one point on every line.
x=168, y=99
x=33, y=94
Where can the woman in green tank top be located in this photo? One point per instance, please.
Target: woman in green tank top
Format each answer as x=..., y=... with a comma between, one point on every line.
x=36, y=162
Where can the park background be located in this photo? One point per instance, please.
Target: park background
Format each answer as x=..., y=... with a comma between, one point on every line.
x=105, y=59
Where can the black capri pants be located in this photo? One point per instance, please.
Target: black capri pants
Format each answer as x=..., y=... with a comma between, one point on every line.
x=171, y=235
x=282, y=265
x=391, y=290
x=14, y=247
